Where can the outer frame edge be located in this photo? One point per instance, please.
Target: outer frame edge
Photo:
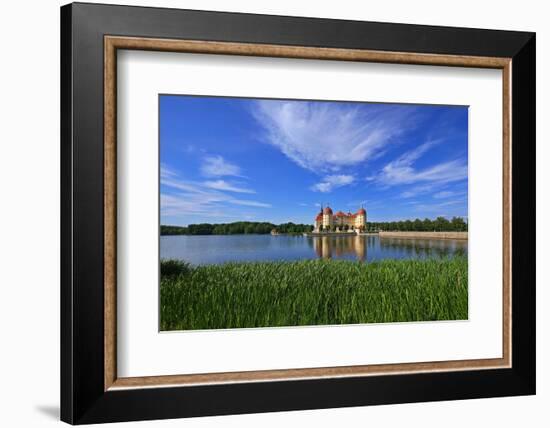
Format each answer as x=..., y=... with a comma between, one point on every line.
x=521, y=377
x=524, y=215
x=66, y=304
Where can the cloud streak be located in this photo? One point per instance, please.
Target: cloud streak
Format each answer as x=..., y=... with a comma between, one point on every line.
x=455, y=205
x=224, y=185
x=217, y=166
x=205, y=198
x=331, y=182
x=447, y=194
x=418, y=190
x=323, y=137
x=402, y=171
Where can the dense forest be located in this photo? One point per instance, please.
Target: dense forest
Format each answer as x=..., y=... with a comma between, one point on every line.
x=236, y=228
x=440, y=224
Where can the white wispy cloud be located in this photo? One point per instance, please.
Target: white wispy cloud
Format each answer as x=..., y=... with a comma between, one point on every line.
x=217, y=166
x=323, y=137
x=249, y=203
x=446, y=194
x=402, y=171
x=443, y=173
x=441, y=204
x=456, y=205
x=185, y=204
x=418, y=190
x=209, y=198
x=166, y=171
x=431, y=188
x=331, y=182
x=227, y=186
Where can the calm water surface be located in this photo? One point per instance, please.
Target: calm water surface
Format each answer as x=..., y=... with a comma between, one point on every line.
x=210, y=249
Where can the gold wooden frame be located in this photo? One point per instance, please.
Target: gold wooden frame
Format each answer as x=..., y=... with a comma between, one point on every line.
x=113, y=43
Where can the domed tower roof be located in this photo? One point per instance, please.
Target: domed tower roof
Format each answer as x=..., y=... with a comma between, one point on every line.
x=327, y=210
x=362, y=211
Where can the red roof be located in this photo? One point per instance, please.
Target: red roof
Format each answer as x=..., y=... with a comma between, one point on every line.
x=340, y=214
x=319, y=217
x=361, y=211
x=327, y=210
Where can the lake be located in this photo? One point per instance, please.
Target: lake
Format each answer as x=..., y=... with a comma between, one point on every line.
x=211, y=249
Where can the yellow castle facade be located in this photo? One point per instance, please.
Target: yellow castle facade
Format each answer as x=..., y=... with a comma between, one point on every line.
x=326, y=220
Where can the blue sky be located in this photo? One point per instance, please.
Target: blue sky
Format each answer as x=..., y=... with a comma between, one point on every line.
x=240, y=159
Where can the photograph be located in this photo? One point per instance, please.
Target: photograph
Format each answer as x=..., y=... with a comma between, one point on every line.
x=284, y=213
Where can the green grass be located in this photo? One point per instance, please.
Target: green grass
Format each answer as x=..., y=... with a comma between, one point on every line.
x=312, y=292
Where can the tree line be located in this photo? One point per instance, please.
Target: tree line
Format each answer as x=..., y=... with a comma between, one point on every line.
x=440, y=224
x=235, y=228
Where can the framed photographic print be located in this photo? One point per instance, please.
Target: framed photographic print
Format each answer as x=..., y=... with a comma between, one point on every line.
x=265, y=213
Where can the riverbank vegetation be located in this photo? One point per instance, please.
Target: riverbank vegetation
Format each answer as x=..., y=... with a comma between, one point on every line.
x=440, y=224
x=312, y=292
x=236, y=228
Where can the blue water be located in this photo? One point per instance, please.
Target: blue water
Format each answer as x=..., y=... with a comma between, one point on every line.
x=212, y=249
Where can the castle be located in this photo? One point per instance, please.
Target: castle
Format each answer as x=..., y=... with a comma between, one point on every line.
x=339, y=222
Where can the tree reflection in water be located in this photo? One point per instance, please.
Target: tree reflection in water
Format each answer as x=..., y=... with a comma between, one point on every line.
x=358, y=247
x=418, y=247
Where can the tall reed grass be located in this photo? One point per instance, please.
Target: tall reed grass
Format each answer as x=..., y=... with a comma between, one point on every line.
x=312, y=292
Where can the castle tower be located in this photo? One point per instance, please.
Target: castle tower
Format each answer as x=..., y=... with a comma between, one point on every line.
x=328, y=219
x=318, y=221
x=361, y=218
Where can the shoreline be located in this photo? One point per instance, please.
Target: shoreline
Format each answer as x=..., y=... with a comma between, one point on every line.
x=403, y=235
x=425, y=235
x=321, y=234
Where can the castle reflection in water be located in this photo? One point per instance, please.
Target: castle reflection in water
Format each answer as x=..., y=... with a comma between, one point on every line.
x=358, y=246
x=338, y=246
